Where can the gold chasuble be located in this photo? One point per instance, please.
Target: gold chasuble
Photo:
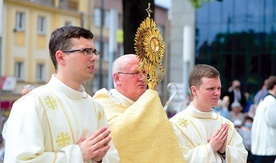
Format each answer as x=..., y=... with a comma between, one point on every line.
x=141, y=132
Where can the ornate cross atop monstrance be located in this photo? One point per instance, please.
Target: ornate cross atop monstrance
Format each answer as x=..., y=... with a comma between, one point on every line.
x=149, y=10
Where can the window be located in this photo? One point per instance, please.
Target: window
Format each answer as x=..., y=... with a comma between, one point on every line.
x=19, y=70
x=40, y=72
x=20, y=21
x=97, y=45
x=97, y=17
x=106, y=51
x=107, y=19
x=41, y=25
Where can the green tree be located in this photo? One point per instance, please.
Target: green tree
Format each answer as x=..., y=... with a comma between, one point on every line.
x=198, y=3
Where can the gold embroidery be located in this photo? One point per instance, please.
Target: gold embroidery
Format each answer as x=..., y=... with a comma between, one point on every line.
x=50, y=102
x=63, y=139
x=100, y=115
x=183, y=122
x=230, y=127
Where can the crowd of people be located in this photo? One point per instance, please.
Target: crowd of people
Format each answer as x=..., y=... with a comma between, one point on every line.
x=60, y=122
x=254, y=118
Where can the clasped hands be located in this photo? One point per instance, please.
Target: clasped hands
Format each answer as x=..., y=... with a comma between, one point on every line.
x=218, y=141
x=96, y=146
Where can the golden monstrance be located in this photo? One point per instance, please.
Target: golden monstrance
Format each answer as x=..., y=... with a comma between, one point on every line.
x=149, y=47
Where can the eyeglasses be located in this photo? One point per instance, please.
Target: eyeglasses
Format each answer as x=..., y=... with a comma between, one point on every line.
x=134, y=74
x=85, y=51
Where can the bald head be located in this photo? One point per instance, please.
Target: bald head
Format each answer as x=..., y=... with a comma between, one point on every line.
x=123, y=63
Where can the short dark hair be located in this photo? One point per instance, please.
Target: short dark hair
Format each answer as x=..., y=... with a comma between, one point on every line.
x=61, y=39
x=200, y=71
x=248, y=118
x=271, y=81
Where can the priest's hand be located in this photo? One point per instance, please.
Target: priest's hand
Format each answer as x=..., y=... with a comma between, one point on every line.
x=223, y=147
x=219, y=139
x=96, y=146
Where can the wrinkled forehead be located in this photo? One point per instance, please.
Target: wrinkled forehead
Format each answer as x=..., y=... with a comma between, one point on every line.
x=130, y=62
x=133, y=66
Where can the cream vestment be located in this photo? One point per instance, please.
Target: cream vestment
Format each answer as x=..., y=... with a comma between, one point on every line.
x=264, y=128
x=195, y=128
x=46, y=125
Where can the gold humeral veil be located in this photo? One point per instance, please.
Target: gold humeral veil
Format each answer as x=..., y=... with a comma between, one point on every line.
x=141, y=131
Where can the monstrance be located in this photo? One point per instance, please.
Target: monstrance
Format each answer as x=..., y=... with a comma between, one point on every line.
x=149, y=47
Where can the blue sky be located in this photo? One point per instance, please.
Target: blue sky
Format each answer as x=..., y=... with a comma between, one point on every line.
x=164, y=3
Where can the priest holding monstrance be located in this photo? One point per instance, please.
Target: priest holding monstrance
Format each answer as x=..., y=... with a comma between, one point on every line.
x=139, y=125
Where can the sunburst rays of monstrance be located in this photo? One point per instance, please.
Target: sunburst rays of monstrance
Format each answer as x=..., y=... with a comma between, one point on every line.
x=149, y=47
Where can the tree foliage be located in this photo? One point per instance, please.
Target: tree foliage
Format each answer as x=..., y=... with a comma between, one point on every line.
x=198, y=3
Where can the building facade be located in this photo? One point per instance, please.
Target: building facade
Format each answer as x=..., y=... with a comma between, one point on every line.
x=238, y=38
x=27, y=26
x=235, y=36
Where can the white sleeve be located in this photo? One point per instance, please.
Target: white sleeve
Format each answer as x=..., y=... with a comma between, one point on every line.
x=25, y=137
x=112, y=155
x=270, y=112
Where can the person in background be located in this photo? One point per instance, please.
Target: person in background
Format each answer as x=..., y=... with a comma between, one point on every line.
x=264, y=126
x=59, y=122
x=217, y=109
x=261, y=93
x=140, y=127
x=245, y=132
x=249, y=102
x=204, y=135
x=26, y=89
x=236, y=116
x=235, y=95
x=224, y=111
